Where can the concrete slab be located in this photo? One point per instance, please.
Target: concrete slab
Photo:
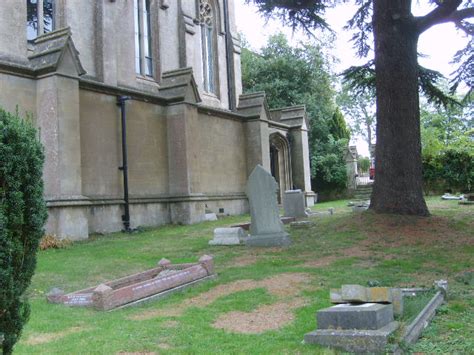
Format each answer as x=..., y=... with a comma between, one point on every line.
x=353, y=341
x=369, y=316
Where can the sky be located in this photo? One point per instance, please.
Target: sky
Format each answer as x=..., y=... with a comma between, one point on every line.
x=437, y=45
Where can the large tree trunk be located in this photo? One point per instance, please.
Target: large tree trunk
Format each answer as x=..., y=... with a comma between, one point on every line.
x=398, y=175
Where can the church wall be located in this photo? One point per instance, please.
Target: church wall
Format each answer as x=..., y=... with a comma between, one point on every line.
x=17, y=91
x=219, y=158
x=101, y=147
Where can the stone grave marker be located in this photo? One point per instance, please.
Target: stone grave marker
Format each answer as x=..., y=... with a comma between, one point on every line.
x=266, y=228
x=294, y=203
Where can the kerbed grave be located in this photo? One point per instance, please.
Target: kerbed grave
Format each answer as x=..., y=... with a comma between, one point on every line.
x=150, y=284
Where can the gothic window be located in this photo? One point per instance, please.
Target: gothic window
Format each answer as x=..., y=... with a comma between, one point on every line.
x=207, y=22
x=39, y=17
x=143, y=53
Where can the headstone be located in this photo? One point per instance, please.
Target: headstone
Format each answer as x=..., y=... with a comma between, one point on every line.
x=294, y=203
x=350, y=316
x=228, y=236
x=266, y=228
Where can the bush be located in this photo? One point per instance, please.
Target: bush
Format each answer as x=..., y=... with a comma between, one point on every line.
x=22, y=216
x=451, y=170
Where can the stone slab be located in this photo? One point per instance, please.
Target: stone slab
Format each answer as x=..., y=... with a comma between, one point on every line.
x=228, y=236
x=360, y=294
x=210, y=217
x=353, y=341
x=369, y=316
x=354, y=293
x=301, y=224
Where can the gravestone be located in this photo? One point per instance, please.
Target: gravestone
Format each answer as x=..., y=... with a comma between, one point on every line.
x=294, y=203
x=266, y=228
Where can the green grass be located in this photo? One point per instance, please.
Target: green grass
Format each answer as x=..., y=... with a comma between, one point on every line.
x=350, y=248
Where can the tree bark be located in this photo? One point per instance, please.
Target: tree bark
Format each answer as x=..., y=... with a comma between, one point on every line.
x=398, y=170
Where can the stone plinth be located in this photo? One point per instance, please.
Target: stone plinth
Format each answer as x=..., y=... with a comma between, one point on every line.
x=353, y=341
x=368, y=316
x=228, y=236
x=294, y=203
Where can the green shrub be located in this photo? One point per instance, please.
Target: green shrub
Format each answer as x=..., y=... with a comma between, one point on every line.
x=22, y=217
x=452, y=169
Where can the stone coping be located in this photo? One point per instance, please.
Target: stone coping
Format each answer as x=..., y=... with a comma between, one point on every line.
x=414, y=330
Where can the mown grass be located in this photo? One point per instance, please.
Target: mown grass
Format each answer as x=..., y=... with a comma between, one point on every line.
x=343, y=248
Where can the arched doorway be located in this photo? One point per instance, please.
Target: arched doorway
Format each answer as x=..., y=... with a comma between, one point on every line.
x=280, y=163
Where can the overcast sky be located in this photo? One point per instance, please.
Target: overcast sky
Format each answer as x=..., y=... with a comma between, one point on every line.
x=437, y=45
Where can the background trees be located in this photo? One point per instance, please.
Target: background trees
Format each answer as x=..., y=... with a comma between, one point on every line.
x=300, y=75
x=398, y=187
x=22, y=216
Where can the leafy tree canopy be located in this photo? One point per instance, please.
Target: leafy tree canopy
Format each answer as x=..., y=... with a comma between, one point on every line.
x=300, y=75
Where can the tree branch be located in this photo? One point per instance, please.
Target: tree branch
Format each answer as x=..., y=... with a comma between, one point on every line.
x=444, y=12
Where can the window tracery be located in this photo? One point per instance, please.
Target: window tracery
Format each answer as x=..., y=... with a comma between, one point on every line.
x=207, y=23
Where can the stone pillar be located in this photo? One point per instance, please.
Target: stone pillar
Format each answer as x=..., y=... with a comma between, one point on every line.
x=13, y=30
x=187, y=209
x=300, y=163
x=257, y=145
x=106, y=42
x=58, y=120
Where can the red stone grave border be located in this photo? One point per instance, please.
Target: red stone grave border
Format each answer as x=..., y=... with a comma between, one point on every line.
x=140, y=287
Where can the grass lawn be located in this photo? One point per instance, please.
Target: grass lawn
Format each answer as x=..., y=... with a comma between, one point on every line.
x=264, y=300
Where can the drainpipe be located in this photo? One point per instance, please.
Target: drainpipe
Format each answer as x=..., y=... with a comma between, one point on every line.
x=126, y=216
x=229, y=50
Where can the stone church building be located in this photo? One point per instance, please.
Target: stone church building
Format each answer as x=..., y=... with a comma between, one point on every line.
x=139, y=106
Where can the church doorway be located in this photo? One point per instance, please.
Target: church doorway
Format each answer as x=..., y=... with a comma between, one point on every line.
x=280, y=164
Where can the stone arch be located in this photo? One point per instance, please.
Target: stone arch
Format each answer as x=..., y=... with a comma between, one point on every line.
x=280, y=162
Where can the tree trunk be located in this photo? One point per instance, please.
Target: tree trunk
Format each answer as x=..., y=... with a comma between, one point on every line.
x=398, y=176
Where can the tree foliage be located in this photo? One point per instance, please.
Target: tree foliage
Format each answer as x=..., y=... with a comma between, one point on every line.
x=338, y=127
x=300, y=76
x=359, y=108
x=447, y=137
x=391, y=31
x=22, y=216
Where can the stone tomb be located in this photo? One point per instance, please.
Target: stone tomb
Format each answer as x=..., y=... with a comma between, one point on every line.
x=294, y=204
x=153, y=283
x=358, y=325
x=266, y=228
x=228, y=236
x=360, y=328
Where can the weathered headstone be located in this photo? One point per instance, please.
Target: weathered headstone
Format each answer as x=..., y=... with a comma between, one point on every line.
x=294, y=203
x=266, y=228
x=228, y=236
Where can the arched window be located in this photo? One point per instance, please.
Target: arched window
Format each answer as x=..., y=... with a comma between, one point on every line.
x=208, y=23
x=39, y=17
x=143, y=53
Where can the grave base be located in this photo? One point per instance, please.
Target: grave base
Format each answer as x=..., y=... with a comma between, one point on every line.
x=269, y=240
x=354, y=341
